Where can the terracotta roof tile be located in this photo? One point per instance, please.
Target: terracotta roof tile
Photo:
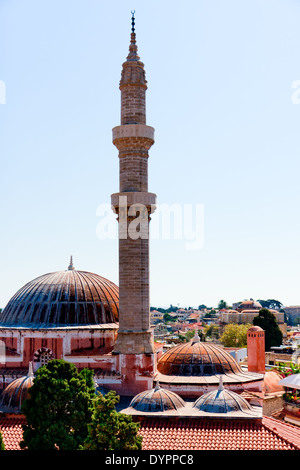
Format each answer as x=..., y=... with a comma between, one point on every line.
x=206, y=434
x=12, y=432
x=193, y=434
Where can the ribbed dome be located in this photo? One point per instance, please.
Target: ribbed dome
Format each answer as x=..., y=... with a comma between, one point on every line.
x=156, y=400
x=222, y=401
x=197, y=359
x=271, y=380
x=16, y=392
x=63, y=298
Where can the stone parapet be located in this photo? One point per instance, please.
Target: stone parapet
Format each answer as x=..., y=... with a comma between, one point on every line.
x=138, y=134
x=127, y=199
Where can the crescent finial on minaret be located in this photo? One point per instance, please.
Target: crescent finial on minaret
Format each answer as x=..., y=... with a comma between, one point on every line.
x=132, y=21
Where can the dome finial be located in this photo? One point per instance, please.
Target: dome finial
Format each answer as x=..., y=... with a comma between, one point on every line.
x=196, y=338
x=30, y=370
x=221, y=384
x=71, y=267
x=157, y=386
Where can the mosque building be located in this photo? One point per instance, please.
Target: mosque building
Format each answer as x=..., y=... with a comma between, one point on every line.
x=86, y=319
x=71, y=315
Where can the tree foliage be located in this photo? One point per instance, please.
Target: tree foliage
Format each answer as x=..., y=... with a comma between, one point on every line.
x=288, y=369
x=169, y=318
x=267, y=321
x=222, y=304
x=109, y=429
x=235, y=335
x=212, y=331
x=271, y=303
x=2, y=446
x=59, y=407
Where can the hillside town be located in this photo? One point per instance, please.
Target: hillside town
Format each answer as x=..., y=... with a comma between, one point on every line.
x=173, y=325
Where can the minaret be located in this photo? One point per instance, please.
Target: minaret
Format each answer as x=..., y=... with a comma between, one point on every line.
x=134, y=204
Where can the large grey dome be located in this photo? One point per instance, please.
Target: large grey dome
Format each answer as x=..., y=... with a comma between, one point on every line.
x=63, y=298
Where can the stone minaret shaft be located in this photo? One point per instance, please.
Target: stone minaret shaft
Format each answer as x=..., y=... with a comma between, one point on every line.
x=133, y=204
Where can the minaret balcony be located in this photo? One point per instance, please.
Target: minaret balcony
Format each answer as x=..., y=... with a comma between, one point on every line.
x=128, y=134
x=128, y=199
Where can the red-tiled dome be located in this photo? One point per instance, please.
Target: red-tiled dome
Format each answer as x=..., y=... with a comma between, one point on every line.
x=254, y=329
x=197, y=359
x=271, y=380
x=63, y=298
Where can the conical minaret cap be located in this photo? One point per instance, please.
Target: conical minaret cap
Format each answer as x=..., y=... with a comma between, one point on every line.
x=133, y=73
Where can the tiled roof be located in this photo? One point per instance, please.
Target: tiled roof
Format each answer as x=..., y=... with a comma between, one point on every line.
x=193, y=434
x=14, y=373
x=217, y=434
x=11, y=431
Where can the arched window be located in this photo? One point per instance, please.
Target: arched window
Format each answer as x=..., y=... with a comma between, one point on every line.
x=42, y=356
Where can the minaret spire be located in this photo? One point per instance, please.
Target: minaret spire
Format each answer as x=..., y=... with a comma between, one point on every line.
x=133, y=54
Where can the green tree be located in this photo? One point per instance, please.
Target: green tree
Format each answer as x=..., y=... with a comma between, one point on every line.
x=2, y=446
x=210, y=314
x=59, y=407
x=109, y=429
x=169, y=318
x=271, y=303
x=222, y=304
x=212, y=331
x=235, y=335
x=267, y=321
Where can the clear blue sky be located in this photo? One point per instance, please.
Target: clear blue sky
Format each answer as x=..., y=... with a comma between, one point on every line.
x=227, y=131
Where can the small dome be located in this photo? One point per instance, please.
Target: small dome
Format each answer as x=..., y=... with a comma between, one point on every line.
x=270, y=383
x=16, y=392
x=197, y=359
x=222, y=401
x=156, y=400
x=63, y=298
x=249, y=305
x=254, y=329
